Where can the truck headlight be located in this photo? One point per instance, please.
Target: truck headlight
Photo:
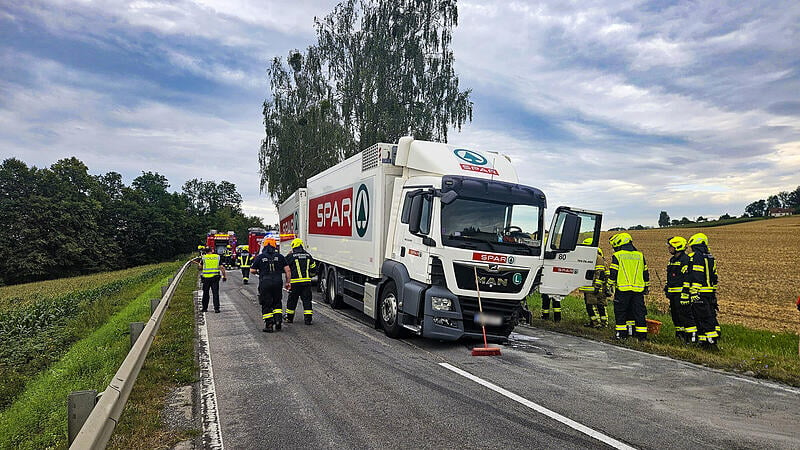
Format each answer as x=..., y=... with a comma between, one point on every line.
x=442, y=304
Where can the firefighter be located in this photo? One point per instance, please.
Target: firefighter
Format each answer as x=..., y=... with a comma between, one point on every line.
x=595, y=295
x=245, y=261
x=210, y=274
x=701, y=287
x=679, y=304
x=555, y=302
x=270, y=265
x=630, y=277
x=200, y=250
x=227, y=257
x=302, y=267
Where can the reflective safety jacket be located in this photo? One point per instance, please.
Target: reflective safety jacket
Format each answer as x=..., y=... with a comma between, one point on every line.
x=677, y=274
x=702, y=274
x=245, y=260
x=629, y=270
x=269, y=264
x=302, y=266
x=599, y=280
x=210, y=265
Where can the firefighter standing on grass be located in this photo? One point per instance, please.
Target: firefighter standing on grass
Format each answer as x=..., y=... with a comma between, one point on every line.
x=302, y=267
x=595, y=295
x=679, y=304
x=270, y=267
x=245, y=261
x=701, y=287
x=630, y=277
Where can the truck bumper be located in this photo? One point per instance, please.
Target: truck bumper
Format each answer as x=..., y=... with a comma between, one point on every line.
x=460, y=322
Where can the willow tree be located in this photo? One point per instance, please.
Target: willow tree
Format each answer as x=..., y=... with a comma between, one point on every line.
x=381, y=69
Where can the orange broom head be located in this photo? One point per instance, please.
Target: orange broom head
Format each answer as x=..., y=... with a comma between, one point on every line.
x=486, y=351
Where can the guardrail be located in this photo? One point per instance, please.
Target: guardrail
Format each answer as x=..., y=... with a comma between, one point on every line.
x=96, y=431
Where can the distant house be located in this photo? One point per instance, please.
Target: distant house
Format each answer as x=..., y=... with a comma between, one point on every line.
x=779, y=212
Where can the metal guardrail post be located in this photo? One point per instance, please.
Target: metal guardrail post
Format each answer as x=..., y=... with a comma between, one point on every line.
x=136, y=331
x=79, y=406
x=164, y=290
x=154, y=304
x=100, y=424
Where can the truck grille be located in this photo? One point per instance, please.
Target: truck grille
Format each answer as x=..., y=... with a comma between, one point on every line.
x=503, y=281
x=509, y=309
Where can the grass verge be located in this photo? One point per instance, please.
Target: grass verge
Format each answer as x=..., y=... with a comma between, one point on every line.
x=758, y=353
x=169, y=364
x=38, y=417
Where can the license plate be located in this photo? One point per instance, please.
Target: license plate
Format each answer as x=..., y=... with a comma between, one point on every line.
x=489, y=319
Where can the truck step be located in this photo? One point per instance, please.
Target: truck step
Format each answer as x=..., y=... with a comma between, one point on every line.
x=415, y=328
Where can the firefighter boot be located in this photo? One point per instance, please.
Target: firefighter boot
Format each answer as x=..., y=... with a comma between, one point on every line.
x=267, y=326
x=557, y=316
x=278, y=324
x=290, y=318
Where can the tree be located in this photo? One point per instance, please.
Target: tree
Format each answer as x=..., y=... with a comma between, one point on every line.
x=663, y=219
x=675, y=222
x=381, y=69
x=773, y=201
x=756, y=209
x=701, y=219
x=725, y=216
x=685, y=221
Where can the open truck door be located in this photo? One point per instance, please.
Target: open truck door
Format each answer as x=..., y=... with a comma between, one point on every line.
x=570, y=251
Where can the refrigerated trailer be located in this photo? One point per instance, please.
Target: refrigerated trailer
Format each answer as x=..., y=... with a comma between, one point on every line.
x=411, y=233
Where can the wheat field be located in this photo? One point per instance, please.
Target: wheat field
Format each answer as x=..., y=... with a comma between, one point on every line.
x=758, y=265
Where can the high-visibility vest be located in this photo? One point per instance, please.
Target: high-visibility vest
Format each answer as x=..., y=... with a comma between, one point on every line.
x=245, y=260
x=301, y=266
x=629, y=267
x=210, y=265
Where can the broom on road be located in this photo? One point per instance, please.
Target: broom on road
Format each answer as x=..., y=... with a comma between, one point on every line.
x=485, y=350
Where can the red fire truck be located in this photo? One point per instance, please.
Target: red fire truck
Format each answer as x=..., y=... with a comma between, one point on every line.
x=220, y=243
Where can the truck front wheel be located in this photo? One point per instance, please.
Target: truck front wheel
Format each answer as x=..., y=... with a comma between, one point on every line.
x=389, y=313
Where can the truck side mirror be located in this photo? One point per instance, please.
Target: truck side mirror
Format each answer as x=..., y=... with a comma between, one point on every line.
x=415, y=215
x=449, y=197
x=570, y=232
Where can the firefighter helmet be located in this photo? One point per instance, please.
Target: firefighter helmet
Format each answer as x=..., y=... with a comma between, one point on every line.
x=227, y=246
x=620, y=239
x=600, y=251
x=587, y=241
x=200, y=247
x=269, y=241
x=297, y=242
x=677, y=242
x=697, y=239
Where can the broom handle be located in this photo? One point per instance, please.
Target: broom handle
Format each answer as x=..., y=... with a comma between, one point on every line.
x=480, y=306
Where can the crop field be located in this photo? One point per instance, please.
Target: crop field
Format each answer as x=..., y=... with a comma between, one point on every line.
x=758, y=265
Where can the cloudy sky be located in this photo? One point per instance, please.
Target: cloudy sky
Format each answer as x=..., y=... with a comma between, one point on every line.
x=627, y=107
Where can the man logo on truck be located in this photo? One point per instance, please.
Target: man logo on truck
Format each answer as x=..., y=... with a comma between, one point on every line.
x=470, y=156
x=362, y=210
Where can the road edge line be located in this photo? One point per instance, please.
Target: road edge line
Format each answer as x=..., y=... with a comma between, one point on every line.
x=212, y=431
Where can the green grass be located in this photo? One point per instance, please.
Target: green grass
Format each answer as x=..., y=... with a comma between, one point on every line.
x=169, y=364
x=763, y=354
x=37, y=418
x=37, y=331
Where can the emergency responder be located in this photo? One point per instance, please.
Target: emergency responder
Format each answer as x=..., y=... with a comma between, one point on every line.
x=595, y=295
x=679, y=305
x=227, y=256
x=551, y=304
x=245, y=261
x=270, y=265
x=629, y=275
x=200, y=250
x=210, y=273
x=701, y=286
x=302, y=267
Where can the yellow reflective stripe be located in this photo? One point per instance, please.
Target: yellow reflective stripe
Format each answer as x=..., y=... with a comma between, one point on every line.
x=556, y=309
x=267, y=316
x=621, y=328
x=679, y=329
x=706, y=289
x=545, y=311
x=614, y=266
x=289, y=311
x=630, y=322
x=674, y=289
x=586, y=288
x=697, y=268
x=691, y=329
x=299, y=280
x=308, y=311
x=641, y=329
x=708, y=272
x=712, y=334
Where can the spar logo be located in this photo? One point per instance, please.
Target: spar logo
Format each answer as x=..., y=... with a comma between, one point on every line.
x=492, y=258
x=331, y=214
x=470, y=156
x=362, y=210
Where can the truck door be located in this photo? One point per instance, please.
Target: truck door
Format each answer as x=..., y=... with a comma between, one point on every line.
x=563, y=271
x=415, y=243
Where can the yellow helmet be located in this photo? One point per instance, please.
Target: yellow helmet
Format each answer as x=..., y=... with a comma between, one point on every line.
x=588, y=241
x=620, y=239
x=697, y=239
x=599, y=251
x=200, y=247
x=677, y=242
x=297, y=242
x=228, y=246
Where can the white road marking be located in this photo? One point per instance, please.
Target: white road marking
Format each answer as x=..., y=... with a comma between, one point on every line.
x=541, y=409
x=212, y=433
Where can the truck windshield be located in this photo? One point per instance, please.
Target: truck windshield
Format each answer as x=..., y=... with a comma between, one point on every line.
x=497, y=227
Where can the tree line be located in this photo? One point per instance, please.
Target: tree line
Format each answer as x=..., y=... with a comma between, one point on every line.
x=380, y=70
x=62, y=221
x=760, y=208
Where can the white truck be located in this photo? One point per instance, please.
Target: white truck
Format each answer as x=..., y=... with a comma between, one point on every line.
x=410, y=233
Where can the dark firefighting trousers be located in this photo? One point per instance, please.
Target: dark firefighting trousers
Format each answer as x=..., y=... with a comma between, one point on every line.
x=682, y=316
x=270, y=296
x=211, y=283
x=303, y=292
x=705, y=315
x=245, y=274
x=546, y=307
x=629, y=305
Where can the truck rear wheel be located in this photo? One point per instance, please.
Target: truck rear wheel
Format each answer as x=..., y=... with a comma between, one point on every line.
x=389, y=312
x=330, y=290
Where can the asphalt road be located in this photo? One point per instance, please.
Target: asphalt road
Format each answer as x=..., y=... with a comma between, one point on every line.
x=339, y=383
